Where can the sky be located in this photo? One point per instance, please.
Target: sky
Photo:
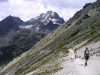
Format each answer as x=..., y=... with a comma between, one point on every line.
x=27, y=9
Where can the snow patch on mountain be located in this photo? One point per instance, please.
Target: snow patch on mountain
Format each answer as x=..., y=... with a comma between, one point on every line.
x=54, y=21
x=37, y=28
x=46, y=16
x=26, y=26
x=52, y=14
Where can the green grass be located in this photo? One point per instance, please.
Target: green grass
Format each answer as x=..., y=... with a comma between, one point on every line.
x=67, y=26
x=86, y=16
x=95, y=38
x=34, y=61
x=42, y=61
x=51, y=58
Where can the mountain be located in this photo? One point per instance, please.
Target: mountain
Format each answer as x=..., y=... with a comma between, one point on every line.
x=48, y=16
x=46, y=56
x=9, y=23
x=40, y=22
x=17, y=36
x=9, y=27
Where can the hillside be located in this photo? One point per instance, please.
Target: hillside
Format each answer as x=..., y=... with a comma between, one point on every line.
x=82, y=30
x=17, y=36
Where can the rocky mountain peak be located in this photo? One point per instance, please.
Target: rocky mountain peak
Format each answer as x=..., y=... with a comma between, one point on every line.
x=8, y=18
x=9, y=23
x=43, y=19
x=49, y=15
x=12, y=18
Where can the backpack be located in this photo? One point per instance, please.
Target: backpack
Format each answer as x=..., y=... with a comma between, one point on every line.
x=86, y=53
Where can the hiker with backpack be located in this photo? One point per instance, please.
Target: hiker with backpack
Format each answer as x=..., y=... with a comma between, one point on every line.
x=86, y=55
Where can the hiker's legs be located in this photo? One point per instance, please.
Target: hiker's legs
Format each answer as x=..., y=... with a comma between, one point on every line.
x=75, y=56
x=86, y=61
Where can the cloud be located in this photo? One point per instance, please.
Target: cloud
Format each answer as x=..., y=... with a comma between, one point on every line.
x=66, y=3
x=0, y=19
x=3, y=0
x=65, y=8
x=24, y=10
x=27, y=9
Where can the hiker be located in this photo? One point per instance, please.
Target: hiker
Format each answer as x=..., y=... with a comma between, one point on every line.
x=86, y=55
x=75, y=52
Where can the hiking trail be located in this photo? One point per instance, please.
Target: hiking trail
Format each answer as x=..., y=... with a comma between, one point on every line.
x=72, y=66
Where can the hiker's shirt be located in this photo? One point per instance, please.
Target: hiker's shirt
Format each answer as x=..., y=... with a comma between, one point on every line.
x=86, y=53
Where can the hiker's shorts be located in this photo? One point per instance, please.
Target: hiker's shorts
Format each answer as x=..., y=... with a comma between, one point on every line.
x=86, y=59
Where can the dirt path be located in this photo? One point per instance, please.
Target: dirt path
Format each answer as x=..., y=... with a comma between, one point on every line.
x=77, y=67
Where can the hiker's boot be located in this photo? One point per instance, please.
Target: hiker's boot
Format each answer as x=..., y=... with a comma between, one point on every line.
x=85, y=64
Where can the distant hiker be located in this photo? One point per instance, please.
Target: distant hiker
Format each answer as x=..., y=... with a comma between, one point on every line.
x=86, y=55
x=75, y=52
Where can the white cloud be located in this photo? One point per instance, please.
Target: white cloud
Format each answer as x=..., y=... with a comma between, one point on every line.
x=68, y=13
x=65, y=3
x=0, y=18
x=27, y=9
x=3, y=0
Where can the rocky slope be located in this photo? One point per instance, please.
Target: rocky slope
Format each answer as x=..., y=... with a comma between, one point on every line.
x=17, y=36
x=44, y=58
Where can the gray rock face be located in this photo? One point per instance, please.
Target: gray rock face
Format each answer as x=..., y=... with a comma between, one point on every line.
x=86, y=5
